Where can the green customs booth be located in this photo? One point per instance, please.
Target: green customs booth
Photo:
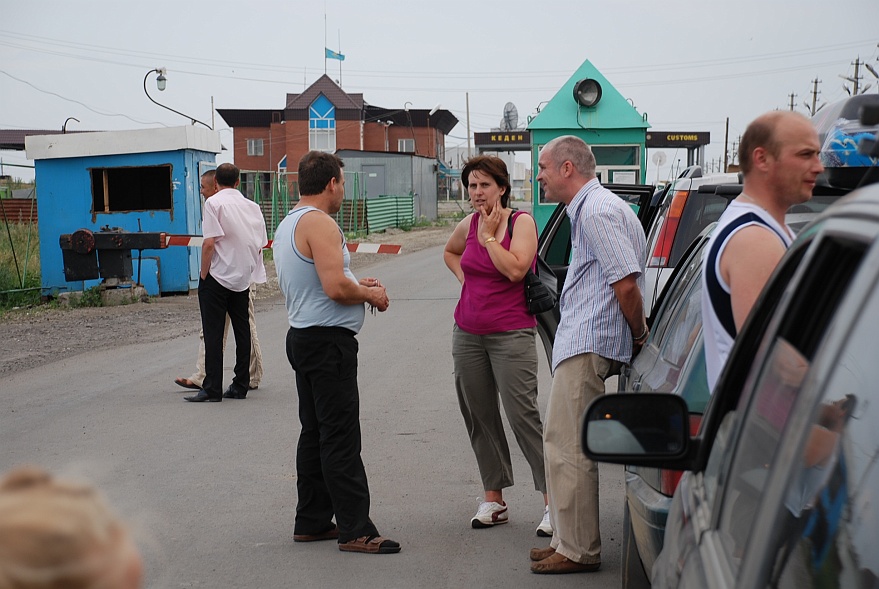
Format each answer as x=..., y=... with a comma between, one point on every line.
x=588, y=107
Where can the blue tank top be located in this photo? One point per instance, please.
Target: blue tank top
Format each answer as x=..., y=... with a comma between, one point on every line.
x=307, y=303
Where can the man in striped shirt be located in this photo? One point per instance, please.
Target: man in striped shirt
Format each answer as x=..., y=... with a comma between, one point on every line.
x=602, y=326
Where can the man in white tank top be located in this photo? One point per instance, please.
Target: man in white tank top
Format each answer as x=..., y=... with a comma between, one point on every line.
x=778, y=156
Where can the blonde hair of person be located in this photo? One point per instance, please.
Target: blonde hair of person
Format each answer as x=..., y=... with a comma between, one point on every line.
x=59, y=534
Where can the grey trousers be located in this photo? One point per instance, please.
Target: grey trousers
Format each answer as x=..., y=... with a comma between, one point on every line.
x=499, y=366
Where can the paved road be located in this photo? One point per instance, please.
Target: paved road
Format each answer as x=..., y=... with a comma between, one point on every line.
x=209, y=488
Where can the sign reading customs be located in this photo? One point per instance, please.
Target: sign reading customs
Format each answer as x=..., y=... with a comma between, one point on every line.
x=678, y=138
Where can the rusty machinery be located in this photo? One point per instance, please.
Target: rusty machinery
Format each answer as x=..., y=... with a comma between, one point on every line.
x=105, y=254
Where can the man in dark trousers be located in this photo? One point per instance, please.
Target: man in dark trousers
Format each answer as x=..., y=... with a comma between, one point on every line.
x=231, y=254
x=325, y=307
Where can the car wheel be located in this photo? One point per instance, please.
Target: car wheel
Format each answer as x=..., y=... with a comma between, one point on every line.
x=631, y=569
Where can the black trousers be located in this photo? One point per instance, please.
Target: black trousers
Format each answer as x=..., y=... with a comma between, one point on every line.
x=215, y=301
x=331, y=479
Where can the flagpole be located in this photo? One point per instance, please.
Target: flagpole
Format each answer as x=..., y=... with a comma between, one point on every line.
x=325, y=37
x=339, y=32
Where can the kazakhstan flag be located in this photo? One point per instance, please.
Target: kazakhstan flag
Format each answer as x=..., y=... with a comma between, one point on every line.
x=330, y=54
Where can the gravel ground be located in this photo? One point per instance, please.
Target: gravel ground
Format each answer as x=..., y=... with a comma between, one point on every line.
x=30, y=337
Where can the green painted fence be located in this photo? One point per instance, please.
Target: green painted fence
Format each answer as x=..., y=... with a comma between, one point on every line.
x=278, y=193
x=389, y=211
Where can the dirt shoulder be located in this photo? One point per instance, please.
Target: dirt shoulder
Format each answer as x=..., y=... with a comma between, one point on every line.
x=30, y=337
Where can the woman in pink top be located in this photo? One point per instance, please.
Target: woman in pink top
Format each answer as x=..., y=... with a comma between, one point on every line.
x=493, y=341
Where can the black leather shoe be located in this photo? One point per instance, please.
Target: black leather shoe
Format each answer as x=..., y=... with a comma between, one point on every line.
x=232, y=394
x=203, y=396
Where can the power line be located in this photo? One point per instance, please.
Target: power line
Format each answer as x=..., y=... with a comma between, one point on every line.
x=84, y=105
x=224, y=63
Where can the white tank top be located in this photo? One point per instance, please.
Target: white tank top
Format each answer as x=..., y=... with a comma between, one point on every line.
x=307, y=303
x=717, y=317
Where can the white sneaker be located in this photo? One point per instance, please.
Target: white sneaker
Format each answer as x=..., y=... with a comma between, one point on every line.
x=490, y=514
x=544, y=530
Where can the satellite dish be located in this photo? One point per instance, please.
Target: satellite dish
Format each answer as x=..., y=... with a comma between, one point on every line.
x=511, y=117
x=659, y=158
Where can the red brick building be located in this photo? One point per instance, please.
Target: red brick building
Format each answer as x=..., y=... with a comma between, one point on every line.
x=327, y=118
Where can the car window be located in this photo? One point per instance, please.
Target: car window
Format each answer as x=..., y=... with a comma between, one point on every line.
x=684, y=328
x=721, y=439
x=701, y=210
x=788, y=356
x=694, y=382
x=558, y=250
x=675, y=297
x=829, y=527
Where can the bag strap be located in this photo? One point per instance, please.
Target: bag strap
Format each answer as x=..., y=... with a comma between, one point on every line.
x=510, y=223
x=533, y=268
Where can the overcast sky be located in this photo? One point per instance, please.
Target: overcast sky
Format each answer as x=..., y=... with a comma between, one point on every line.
x=687, y=64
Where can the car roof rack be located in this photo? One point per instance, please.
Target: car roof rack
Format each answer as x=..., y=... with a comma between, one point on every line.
x=720, y=188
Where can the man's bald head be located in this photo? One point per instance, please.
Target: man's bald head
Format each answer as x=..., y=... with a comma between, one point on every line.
x=766, y=131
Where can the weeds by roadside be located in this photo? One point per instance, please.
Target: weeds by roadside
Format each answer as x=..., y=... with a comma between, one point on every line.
x=90, y=297
x=19, y=265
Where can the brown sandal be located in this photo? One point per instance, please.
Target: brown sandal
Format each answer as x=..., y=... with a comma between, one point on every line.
x=370, y=545
x=186, y=383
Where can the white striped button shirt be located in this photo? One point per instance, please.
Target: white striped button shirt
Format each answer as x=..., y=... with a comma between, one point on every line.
x=608, y=244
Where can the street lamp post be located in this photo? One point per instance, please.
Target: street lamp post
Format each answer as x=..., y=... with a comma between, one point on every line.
x=161, y=84
x=433, y=138
x=386, y=124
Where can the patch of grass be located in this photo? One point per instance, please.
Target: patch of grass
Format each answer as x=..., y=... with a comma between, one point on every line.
x=421, y=221
x=90, y=297
x=19, y=265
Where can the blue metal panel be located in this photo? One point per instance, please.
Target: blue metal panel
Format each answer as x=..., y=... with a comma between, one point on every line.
x=64, y=204
x=148, y=275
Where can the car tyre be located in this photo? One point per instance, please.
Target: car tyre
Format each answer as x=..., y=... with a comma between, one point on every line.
x=632, y=571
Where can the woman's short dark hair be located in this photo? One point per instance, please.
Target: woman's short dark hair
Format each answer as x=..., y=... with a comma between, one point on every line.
x=494, y=167
x=316, y=169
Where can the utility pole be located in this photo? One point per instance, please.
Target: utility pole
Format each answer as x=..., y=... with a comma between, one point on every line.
x=855, y=80
x=726, y=147
x=857, y=65
x=792, y=97
x=467, y=94
x=814, y=108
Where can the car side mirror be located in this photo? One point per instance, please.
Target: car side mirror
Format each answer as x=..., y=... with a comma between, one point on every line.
x=643, y=429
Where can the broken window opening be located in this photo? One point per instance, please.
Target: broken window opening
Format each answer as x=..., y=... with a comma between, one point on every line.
x=144, y=188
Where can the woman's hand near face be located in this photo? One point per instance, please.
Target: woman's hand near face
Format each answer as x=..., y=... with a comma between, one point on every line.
x=490, y=222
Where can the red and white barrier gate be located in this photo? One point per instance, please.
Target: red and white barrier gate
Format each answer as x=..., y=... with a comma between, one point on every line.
x=360, y=248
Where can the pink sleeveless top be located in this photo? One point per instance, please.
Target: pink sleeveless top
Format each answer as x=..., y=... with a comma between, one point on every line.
x=489, y=302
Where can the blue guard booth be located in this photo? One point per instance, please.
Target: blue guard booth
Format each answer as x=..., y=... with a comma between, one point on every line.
x=134, y=181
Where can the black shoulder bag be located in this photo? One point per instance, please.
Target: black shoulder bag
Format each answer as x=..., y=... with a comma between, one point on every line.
x=539, y=297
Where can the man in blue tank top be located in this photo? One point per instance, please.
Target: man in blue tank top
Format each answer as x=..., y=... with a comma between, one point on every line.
x=325, y=307
x=778, y=156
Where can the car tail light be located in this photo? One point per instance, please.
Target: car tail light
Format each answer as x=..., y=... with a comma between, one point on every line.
x=662, y=251
x=669, y=479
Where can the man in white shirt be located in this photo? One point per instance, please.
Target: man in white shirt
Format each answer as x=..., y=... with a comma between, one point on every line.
x=208, y=189
x=234, y=235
